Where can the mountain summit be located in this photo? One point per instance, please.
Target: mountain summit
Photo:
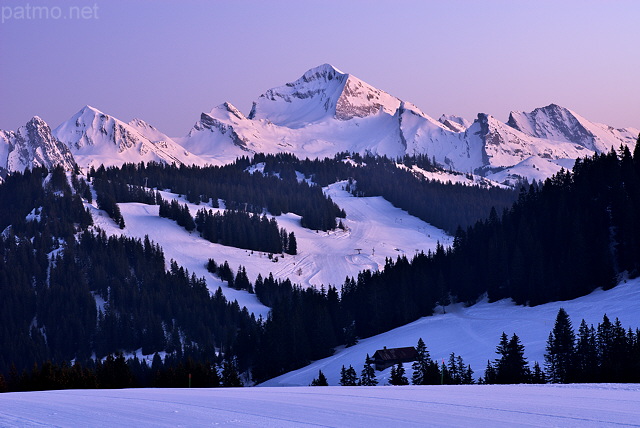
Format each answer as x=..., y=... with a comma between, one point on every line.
x=96, y=138
x=322, y=92
x=324, y=112
x=30, y=146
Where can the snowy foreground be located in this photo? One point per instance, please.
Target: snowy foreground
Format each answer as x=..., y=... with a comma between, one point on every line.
x=587, y=405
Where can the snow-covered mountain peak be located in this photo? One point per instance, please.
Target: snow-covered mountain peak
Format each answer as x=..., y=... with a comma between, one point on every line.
x=30, y=146
x=454, y=123
x=225, y=109
x=96, y=138
x=91, y=127
x=309, y=99
x=324, y=71
x=558, y=123
x=322, y=93
x=37, y=121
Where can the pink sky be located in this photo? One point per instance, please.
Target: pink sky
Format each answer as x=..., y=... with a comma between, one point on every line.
x=165, y=62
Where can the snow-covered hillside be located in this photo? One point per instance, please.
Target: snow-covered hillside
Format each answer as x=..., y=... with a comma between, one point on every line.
x=375, y=230
x=408, y=406
x=474, y=332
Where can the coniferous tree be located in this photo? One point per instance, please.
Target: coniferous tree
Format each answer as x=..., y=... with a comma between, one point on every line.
x=230, y=376
x=321, y=380
x=560, y=352
x=397, y=376
x=586, y=362
x=292, y=247
x=537, y=375
x=348, y=377
x=512, y=365
x=368, y=374
x=425, y=370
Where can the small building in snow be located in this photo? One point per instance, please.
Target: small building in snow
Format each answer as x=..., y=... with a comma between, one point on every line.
x=388, y=357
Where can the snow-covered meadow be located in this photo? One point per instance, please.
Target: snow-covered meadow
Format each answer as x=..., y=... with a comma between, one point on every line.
x=586, y=405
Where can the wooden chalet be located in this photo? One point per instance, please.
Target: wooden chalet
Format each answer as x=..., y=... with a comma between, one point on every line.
x=388, y=357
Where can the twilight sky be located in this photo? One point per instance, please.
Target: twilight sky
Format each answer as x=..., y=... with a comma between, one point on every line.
x=167, y=61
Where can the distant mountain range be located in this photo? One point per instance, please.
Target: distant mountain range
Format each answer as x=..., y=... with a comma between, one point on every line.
x=322, y=113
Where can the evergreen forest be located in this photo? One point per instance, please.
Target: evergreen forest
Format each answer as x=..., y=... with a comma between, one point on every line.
x=70, y=293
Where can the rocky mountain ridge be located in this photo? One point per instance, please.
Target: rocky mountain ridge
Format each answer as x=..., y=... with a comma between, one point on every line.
x=322, y=113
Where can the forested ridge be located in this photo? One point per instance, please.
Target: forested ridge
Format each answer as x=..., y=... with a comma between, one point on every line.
x=561, y=239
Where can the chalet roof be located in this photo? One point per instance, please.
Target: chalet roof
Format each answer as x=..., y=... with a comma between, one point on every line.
x=408, y=353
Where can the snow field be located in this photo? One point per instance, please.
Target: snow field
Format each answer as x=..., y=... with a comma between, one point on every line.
x=581, y=406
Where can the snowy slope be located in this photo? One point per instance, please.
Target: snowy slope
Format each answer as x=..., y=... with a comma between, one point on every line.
x=474, y=332
x=96, y=138
x=374, y=226
x=533, y=167
x=455, y=178
x=408, y=406
x=557, y=123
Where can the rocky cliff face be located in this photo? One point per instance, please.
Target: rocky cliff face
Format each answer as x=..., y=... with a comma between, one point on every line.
x=32, y=145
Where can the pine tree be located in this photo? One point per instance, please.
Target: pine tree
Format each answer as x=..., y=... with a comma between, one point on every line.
x=292, y=248
x=321, y=380
x=586, y=354
x=397, y=376
x=538, y=376
x=512, y=366
x=230, y=376
x=368, y=374
x=561, y=354
x=421, y=365
x=3, y=384
x=348, y=376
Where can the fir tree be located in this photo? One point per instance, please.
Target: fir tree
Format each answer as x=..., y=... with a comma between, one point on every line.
x=230, y=376
x=423, y=366
x=538, y=376
x=397, y=376
x=292, y=248
x=368, y=374
x=512, y=365
x=348, y=376
x=321, y=380
x=586, y=361
x=561, y=354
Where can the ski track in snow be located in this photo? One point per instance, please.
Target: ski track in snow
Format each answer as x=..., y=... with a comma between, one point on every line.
x=586, y=405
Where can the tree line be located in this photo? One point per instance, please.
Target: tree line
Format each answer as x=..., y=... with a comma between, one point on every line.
x=442, y=204
x=238, y=188
x=116, y=371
